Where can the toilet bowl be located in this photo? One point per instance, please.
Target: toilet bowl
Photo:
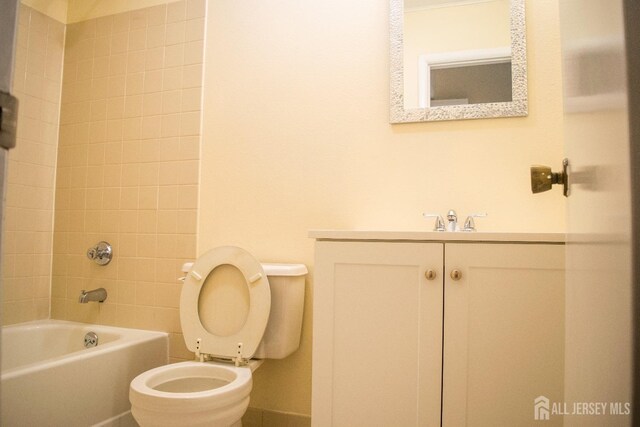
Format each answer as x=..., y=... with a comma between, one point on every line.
x=209, y=392
x=206, y=394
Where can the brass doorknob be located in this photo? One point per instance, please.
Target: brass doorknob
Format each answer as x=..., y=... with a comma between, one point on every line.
x=430, y=274
x=456, y=275
x=542, y=178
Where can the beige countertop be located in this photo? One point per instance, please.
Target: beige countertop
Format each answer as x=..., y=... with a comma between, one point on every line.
x=434, y=236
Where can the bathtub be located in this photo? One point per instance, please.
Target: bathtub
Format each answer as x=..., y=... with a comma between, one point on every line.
x=49, y=378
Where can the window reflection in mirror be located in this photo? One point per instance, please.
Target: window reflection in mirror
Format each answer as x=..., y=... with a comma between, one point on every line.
x=456, y=52
x=469, y=84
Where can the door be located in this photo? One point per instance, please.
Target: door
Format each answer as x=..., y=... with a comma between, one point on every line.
x=503, y=332
x=377, y=334
x=598, y=347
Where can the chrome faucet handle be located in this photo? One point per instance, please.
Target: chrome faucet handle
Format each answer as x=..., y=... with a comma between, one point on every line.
x=470, y=224
x=439, y=224
x=101, y=253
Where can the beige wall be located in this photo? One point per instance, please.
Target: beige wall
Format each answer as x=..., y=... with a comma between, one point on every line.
x=28, y=226
x=82, y=10
x=296, y=137
x=127, y=166
x=70, y=11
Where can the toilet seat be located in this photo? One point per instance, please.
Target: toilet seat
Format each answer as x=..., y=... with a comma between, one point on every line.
x=242, y=344
x=233, y=381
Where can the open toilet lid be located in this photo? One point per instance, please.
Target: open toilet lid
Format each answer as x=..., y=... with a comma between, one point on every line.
x=251, y=332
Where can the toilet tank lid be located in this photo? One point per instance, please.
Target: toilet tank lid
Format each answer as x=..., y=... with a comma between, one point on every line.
x=270, y=269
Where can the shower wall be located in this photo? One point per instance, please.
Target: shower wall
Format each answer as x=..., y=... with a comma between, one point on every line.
x=28, y=226
x=127, y=168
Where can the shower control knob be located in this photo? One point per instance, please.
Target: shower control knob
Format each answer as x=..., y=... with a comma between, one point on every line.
x=456, y=275
x=101, y=253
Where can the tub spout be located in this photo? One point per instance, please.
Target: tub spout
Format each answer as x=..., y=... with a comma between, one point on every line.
x=99, y=295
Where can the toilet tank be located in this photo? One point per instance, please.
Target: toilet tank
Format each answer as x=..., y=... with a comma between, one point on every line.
x=282, y=335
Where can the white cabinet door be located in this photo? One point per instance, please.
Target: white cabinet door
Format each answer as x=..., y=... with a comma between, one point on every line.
x=377, y=334
x=504, y=333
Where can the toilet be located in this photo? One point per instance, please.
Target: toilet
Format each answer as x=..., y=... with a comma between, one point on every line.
x=234, y=312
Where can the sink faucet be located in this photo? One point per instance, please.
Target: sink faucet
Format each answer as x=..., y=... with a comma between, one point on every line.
x=452, y=219
x=99, y=295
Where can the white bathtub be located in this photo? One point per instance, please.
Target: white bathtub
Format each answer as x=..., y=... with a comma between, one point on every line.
x=50, y=379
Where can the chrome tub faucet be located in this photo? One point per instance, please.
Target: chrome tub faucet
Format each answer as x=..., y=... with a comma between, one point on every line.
x=98, y=295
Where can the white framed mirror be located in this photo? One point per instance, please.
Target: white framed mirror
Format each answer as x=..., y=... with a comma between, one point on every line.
x=457, y=60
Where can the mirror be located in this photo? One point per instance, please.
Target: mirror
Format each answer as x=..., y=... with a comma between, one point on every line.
x=457, y=59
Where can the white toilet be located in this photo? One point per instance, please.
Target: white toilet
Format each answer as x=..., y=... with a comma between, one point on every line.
x=230, y=313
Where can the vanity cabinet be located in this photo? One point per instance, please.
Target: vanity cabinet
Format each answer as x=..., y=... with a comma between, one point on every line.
x=431, y=333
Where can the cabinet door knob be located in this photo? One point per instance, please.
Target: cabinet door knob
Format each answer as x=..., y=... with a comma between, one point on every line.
x=430, y=274
x=456, y=274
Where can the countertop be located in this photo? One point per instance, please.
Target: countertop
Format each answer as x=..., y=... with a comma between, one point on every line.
x=434, y=236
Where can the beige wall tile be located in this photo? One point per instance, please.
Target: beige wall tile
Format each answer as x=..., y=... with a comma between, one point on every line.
x=167, y=223
x=172, y=78
x=193, y=52
x=175, y=33
x=119, y=42
x=170, y=125
x=168, y=174
x=147, y=221
x=133, y=106
x=152, y=104
x=190, y=123
x=155, y=36
x=154, y=59
x=128, y=221
x=138, y=19
x=28, y=225
x=148, y=197
x=171, y=101
x=167, y=147
x=152, y=81
x=188, y=172
x=168, y=197
x=157, y=15
x=192, y=76
x=115, y=108
x=135, y=64
x=124, y=173
x=131, y=128
x=135, y=81
x=174, y=55
x=191, y=99
x=102, y=46
x=176, y=11
x=152, y=125
x=194, y=30
x=148, y=150
x=195, y=9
